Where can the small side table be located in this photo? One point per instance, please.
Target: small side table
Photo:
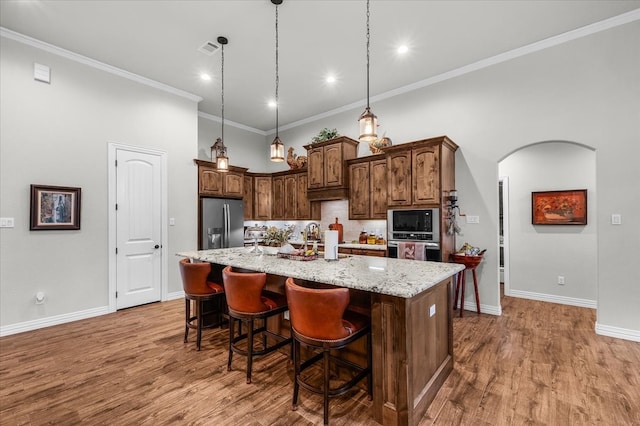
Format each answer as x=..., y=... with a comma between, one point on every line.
x=470, y=263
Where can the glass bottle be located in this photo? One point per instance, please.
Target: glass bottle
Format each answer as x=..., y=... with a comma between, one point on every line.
x=362, y=239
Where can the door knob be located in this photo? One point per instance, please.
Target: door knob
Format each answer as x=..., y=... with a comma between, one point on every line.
x=156, y=246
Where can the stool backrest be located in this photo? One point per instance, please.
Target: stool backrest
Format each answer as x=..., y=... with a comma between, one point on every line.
x=194, y=277
x=243, y=290
x=317, y=313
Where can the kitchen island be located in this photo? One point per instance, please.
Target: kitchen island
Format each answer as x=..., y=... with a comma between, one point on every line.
x=411, y=318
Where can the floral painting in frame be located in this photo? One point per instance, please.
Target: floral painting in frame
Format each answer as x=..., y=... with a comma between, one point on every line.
x=567, y=207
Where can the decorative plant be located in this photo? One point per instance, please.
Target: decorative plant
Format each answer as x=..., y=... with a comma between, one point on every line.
x=276, y=237
x=325, y=134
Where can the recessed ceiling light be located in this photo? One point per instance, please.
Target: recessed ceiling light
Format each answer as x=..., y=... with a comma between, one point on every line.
x=403, y=48
x=205, y=77
x=330, y=79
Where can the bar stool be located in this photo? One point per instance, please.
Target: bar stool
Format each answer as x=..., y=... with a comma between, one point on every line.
x=199, y=290
x=248, y=302
x=320, y=322
x=470, y=263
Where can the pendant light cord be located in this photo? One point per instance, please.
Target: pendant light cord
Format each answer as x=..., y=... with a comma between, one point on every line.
x=277, y=76
x=368, y=42
x=222, y=104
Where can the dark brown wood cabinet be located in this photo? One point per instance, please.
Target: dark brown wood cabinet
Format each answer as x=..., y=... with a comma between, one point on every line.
x=289, y=199
x=327, y=168
x=262, y=195
x=419, y=172
x=214, y=183
x=362, y=252
x=247, y=199
x=368, y=187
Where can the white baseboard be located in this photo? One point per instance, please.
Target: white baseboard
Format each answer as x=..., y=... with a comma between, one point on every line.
x=563, y=300
x=54, y=320
x=485, y=309
x=175, y=295
x=618, y=332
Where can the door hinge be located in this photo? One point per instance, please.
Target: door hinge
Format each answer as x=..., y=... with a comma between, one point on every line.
x=116, y=163
x=116, y=206
x=116, y=294
x=116, y=250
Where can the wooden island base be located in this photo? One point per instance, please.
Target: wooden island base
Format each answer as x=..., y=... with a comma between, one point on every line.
x=412, y=342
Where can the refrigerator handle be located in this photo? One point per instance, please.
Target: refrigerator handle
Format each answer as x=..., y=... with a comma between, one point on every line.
x=227, y=227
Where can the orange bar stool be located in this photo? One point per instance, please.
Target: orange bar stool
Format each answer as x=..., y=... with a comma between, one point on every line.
x=320, y=322
x=470, y=263
x=248, y=303
x=199, y=290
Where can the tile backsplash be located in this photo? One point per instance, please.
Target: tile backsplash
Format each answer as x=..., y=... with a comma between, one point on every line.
x=329, y=211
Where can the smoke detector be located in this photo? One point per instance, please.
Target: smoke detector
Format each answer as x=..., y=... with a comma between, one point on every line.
x=209, y=48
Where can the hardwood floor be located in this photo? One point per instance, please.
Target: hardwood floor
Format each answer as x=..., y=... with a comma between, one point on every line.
x=537, y=364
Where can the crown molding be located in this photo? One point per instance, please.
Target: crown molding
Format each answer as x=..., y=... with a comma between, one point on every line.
x=21, y=38
x=585, y=31
x=217, y=119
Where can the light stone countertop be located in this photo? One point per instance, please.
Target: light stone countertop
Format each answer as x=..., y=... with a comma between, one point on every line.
x=394, y=277
x=344, y=245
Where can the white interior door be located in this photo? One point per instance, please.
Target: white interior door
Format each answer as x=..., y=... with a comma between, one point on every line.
x=138, y=228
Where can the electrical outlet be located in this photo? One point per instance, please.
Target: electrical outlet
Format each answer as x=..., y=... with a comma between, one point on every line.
x=432, y=310
x=560, y=280
x=616, y=219
x=286, y=315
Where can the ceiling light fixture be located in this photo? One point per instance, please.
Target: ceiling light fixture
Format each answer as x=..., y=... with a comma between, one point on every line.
x=277, y=147
x=368, y=121
x=218, y=150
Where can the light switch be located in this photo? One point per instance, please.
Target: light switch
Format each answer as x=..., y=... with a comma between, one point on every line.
x=172, y=221
x=616, y=219
x=6, y=222
x=473, y=219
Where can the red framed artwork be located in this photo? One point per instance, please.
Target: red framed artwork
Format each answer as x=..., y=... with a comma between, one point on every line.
x=559, y=207
x=54, y=207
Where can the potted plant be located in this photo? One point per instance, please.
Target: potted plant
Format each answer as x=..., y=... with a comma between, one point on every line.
x=325, y=134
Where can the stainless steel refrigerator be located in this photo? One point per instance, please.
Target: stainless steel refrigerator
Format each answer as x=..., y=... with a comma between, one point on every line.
x=221, y=223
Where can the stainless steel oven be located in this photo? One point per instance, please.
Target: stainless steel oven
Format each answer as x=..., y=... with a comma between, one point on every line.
x=417, y=226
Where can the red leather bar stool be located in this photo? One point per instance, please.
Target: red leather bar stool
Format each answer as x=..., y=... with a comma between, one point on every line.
x=320, y=322
x=249, y=303
x=199, y=290
x=470, y=263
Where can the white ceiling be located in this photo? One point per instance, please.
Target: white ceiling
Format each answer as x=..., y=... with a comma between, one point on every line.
x=159, y=40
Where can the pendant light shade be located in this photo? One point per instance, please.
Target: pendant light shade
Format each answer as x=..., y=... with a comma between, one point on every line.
x=277, y=147
x=368, y=120
x=218, y=150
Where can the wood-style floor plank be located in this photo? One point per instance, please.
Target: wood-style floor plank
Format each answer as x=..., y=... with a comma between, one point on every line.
x=537, y=364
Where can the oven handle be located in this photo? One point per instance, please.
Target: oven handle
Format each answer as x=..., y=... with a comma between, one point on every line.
x=427, y=244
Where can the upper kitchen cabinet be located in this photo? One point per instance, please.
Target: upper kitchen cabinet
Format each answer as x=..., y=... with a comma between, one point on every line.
x=290, y=201
x=247, y=199
x=262, y=196
x=215, y=183
x=368, y=187
x=419, y=172
x=327, y=168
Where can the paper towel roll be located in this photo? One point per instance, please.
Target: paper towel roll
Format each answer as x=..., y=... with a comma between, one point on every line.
x=331, y=245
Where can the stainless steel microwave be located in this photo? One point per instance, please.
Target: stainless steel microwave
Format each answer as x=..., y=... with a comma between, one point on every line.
x=413, y=225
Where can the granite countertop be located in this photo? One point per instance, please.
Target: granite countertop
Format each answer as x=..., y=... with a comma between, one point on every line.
x=394, y=277
x=344, y=245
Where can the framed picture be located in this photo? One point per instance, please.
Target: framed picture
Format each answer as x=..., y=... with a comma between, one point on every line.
x=559, y=207
x=54, y=207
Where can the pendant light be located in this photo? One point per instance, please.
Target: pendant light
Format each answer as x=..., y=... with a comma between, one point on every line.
x=368, y=121
x=277, y=147
x=218, y=150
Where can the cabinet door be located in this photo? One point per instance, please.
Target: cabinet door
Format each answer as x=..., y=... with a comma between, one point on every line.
x=426, y=175
x=359, y=196
x=278, y=198
x=247, y=197
x=290, y=192
x=262, y=198
x=315, y=168
x=233, y=184
x=378, y=189
x=399, y=181
x=302, y=201
x=333, y=165
x=210, y=181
